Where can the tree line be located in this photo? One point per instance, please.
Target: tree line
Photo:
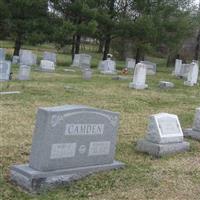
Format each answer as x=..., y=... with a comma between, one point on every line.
x=157, y=24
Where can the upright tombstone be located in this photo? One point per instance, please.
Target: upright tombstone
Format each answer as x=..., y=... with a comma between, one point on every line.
x=49, y=56
x=2, y=54
x=101, y=65
x=85, y=61
x=130, y=63
x=194, y=132
x=109, y=67
x=5, y=68
x=47, y=66
x=24, y=72
x=26, y=57
x=178, y=66
x=69, y=143
x=151, y=67
x=139, y=77
x=193, y=74
x=164, y=136
x=76, y=60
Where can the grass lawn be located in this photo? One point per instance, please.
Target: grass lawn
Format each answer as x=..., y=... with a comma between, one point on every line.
x=171, y=177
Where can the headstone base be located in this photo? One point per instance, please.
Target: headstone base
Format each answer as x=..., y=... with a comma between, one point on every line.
x=192, y=133
x=35, y=181
x=137, y=87
x=159, y=150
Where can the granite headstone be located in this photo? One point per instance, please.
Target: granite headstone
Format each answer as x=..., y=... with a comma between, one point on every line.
x=164, y=136
x=24, y=72
x=69, y=143
x=139, y=77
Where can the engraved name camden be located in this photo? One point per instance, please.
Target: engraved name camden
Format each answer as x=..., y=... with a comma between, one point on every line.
x=84, y=129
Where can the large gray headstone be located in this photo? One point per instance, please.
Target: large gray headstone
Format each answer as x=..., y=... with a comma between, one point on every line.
x=46, y=65
x=69, y=141
x=24, y=72
x=85, y=61
x=26, y=57
x=5, y=68
x=2, y=54
x=49, y=56
x=139, y=77
x=76, y=60
x=151, y=67
x=164, y=136
x=108, y=66
x=130, y=63
x=194, y=132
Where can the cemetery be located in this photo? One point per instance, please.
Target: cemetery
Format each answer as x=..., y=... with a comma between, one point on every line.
x=77, y=122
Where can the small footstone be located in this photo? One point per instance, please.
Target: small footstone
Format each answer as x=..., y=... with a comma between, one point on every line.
x=166, y=84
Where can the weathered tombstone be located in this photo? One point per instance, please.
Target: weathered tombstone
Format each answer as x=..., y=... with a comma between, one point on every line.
x=47, y=66
x=193, y=74
x=76, y=60
x=166, y=84
x=109, y=67
x=194, y=132
x=130, y=63
x=87, y=74
x=69, y=143
x=5, y=68
x=85, y=61
x=15, y=60
x=139, y=77
x=101, y=65
x=49, y=56
x=26, y=57
x=24, y=72
x=164, y=136
x=2, y=54
x=151, y=67
x=178, y=65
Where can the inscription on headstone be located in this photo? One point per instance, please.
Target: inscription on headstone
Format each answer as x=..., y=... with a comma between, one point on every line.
x=69, y=141
x=47, y=66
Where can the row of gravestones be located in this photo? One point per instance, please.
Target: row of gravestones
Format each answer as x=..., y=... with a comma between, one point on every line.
x=73, y=141
x=187, y=71
x=26, y=59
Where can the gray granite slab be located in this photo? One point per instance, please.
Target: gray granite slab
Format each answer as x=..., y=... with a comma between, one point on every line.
x=166, y=84
x=70, y=139
x=49, y=56
x=2, y=54
x=5, y=69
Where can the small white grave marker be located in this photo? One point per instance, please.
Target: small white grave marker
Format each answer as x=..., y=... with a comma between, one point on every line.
x=164, y=136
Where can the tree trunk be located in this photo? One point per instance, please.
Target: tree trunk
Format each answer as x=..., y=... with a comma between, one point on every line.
x=107, y=47
x=77, y=45
x=101, y=44
x=73, y=47
x=18, y=44
x=137, y=56
x=197, y=48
